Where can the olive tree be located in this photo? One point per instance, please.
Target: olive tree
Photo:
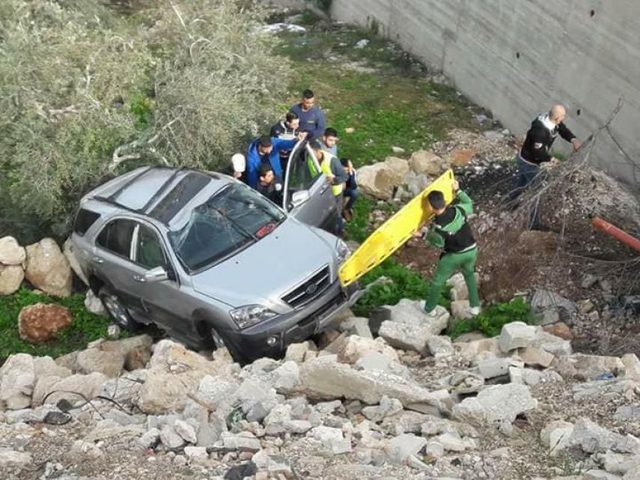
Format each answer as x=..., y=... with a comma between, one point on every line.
x=87, y=92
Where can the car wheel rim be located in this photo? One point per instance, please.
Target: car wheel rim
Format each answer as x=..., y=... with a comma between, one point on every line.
x=218, y=341
x=116, y=310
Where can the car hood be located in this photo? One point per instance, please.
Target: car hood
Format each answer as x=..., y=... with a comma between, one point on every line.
x=263, y=272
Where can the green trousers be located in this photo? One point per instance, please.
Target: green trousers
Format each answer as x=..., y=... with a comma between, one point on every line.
x=447, y=266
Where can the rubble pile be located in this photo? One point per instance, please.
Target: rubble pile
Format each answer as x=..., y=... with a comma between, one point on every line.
x=409, y=403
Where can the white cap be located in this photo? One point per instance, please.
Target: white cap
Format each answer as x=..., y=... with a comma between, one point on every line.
x=239, y=162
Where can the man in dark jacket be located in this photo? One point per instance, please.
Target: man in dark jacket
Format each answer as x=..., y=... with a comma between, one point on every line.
x=286, y=129
x=536, y=151
x=451, y=232
x=310, y=115
x=269, y=185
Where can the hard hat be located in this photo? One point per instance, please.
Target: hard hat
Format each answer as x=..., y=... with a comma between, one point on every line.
x=239, y=162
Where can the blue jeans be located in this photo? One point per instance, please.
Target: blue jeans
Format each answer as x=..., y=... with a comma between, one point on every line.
x=527, y=174
x=352, y=195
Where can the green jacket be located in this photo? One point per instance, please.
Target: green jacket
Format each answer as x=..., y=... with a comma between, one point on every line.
x=448, y=227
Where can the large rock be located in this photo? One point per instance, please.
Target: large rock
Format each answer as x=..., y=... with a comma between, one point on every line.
x=352, y=348
x=399, y=166
x=411, y=312
x=356, y=326
x=70, y=255
x=13, y=459
x=631, y=366
x=380, y=362
x=75, y=388
x=332, y=440
x=591, y=366
x=551, y=343
x=496, y=404
x=592, y=438
x=11, y=277
x=40, y=322
x=516, y=335
x=378, y=181
x=17, y=379
x=164, y=392
x=214, y=392
x=11, y=253
x=109, y=363
x=405, y=336
x=326, y=379
x=427, y=163
x=173, y=357
x=555, y=436
x=48, y=269
x=94, y=304
x=403, y=446
x=135, y=350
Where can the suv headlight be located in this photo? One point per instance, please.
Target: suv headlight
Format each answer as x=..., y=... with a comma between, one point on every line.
x=250, y=315
x=342, y=250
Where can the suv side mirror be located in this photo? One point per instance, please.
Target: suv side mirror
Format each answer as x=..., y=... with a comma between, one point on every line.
x=157, y=274
x=298, y=198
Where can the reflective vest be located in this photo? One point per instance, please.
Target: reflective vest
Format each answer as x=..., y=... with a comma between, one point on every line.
x=325, y=166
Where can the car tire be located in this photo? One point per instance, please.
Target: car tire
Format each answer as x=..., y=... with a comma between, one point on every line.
x=116, y=310
x=219, y=341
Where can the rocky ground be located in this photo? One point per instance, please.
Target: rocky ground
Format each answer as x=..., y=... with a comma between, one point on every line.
x=390, y=398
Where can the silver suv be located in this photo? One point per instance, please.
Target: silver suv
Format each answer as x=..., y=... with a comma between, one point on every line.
x=209, y=260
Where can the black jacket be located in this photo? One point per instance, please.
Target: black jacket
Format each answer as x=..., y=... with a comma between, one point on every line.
x=537, y=145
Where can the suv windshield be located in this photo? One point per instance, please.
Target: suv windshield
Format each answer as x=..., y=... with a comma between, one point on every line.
x=229, y=221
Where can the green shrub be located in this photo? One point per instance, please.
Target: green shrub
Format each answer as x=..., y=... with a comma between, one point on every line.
x=85, y=327
x=87, y=93
x=491, y=320
x=401, y=283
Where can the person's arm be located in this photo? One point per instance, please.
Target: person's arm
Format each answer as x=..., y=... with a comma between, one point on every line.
x=434, y=238
x=568, y=135
x=252, y=170
x=338, y=171
x=320, y=122
x=565, y=133
x=538, y=136
x=280, y=144
x=464, y=201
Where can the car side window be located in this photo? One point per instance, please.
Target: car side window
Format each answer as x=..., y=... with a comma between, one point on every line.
x=149, y=251
x=303, y=173
x=116, y=237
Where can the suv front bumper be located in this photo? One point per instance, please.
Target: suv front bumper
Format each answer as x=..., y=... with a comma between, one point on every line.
x=271, y=338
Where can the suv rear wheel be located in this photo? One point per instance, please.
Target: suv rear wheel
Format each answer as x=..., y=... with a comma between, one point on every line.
x=116, y=310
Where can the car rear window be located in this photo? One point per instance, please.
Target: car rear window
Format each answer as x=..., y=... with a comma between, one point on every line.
x=84, y=219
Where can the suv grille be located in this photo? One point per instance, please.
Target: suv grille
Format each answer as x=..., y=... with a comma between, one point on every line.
x=309, y=290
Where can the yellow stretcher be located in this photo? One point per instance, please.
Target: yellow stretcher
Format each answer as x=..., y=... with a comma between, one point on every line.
x=393, y=233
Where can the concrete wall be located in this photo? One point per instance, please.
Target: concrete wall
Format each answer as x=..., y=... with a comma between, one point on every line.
x=517, y=57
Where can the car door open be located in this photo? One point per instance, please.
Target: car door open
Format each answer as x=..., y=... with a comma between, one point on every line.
x=307, y=195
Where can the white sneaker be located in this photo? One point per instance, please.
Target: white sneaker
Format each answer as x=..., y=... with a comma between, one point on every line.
x=474, y=311
x=437, y=312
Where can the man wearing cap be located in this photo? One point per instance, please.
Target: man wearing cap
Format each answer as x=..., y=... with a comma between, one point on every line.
x=239, y=164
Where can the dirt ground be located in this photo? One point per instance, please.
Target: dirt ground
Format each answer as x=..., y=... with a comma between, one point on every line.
x=568, y=256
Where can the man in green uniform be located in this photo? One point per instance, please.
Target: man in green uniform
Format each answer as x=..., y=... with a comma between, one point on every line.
x=451, y=232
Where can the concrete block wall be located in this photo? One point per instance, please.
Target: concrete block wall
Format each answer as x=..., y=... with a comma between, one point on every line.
x=517, y=57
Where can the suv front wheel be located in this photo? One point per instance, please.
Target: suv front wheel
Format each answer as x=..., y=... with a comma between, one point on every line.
x=116, y=310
